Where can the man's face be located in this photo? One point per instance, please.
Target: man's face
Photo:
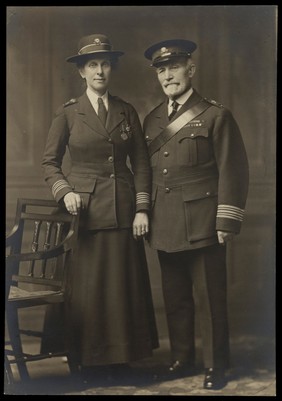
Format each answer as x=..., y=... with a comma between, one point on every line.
x=97, y=73
x=175, y=76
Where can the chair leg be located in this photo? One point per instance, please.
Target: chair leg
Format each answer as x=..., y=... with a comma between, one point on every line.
x=8, y=374
x=15, y=340
x=73, y=366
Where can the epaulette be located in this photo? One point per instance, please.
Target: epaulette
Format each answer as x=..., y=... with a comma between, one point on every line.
x=71, y=101
x=214, y=102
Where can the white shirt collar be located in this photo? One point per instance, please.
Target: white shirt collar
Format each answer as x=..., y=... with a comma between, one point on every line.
x=93, y=97
x=181, y=99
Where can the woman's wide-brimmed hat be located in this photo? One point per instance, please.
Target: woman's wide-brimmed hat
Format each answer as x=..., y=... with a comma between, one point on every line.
x=92, y=45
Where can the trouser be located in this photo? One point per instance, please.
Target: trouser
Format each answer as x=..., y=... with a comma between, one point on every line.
x=199, y=273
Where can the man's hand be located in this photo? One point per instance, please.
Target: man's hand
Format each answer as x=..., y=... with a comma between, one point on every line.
x=73, y=202
x=224, y=237
x=140, y=225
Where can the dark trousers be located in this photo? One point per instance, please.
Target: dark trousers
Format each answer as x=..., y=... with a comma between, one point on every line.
x=199, y=273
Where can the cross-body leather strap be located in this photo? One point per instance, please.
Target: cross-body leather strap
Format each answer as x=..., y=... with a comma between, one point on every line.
x=176, y=126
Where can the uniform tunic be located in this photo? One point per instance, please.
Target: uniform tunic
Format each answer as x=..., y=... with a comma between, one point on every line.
x=200, y=178
x=109, y=317
x=200, y=183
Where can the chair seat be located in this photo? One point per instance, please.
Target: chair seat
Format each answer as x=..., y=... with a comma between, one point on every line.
x=17, y=294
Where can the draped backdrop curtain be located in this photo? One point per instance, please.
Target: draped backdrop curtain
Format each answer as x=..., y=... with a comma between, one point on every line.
x=236, y=65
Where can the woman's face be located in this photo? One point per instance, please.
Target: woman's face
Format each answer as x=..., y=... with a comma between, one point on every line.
x=97, y=72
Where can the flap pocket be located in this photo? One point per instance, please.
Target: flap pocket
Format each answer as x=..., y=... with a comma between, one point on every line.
x=200, y=190
x=192, y=133
x=82, y=183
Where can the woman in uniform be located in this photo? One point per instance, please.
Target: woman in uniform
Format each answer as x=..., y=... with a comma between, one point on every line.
x=109, y=317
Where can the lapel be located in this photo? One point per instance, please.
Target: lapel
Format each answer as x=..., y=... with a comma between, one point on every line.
x=88, y=115
x=193, y=99
x=115, y=114
x=162, y=115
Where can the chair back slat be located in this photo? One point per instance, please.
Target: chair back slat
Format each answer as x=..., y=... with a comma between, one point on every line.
x=34, y=245
x=43, y=226
x=46, y=245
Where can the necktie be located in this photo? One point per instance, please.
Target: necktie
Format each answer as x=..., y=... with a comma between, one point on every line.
x=102, y=111
x=174, y=109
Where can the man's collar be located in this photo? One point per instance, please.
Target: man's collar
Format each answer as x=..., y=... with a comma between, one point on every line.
x=183, y=98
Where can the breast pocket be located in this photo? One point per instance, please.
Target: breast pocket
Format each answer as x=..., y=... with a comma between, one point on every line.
x=193, y=146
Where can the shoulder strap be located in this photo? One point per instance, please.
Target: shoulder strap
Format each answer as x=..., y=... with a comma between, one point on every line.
x=176, y=126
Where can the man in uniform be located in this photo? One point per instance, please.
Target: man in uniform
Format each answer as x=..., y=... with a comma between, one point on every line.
x=200, y=185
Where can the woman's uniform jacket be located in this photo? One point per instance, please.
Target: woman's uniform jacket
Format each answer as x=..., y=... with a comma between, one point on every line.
x=200, y=178
x=110, y=165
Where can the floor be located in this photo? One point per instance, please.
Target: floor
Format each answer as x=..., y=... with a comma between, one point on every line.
x=252, y=374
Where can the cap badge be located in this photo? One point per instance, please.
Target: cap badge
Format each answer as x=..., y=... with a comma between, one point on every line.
x=97, y=42
x=164, y=50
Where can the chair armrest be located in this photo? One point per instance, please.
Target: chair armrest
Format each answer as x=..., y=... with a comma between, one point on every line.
x=48, y=254
x=12, y=236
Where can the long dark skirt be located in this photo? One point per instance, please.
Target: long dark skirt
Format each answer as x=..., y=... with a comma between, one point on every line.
x=110, y=316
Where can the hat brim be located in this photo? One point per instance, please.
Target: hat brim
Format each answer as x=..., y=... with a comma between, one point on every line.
x=80, y=57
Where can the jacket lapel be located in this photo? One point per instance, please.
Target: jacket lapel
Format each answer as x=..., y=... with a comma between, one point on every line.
x=193, y=99
x=115, y=114
x=88, y=115
x=161, y=116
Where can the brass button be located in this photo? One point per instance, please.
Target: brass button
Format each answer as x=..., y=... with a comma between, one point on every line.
x=208, y=193
x=110, y=140
x=112, y=176
x=165, y=171
x=110, y=159
x=192, y=135
x=147, y=137
x=167, y=190
x=166, y=154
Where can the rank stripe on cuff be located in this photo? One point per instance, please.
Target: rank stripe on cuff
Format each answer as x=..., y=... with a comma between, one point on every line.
x=142, y=197
x=230, y=212
x=58, y=186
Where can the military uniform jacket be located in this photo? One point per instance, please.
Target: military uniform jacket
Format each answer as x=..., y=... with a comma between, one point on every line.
x=200, y=178
x=110, y=165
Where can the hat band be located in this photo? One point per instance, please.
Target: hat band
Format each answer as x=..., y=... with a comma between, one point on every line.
x=167, y=55
x=101, y=46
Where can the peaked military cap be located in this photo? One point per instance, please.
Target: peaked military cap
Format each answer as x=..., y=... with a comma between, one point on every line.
x=169, y=49
x=92, y=45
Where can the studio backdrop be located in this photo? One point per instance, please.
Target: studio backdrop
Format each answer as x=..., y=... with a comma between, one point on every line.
x=236, y=65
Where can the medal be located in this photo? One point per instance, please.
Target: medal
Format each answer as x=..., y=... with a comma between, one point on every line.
x=124, y=136
x=125, y=131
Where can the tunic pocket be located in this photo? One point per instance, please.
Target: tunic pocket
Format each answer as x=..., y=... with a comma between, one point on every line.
x=193, y=146
x=84, y=185
x=200, y=204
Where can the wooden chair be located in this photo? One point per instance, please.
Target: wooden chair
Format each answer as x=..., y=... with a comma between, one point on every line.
x=39, y=249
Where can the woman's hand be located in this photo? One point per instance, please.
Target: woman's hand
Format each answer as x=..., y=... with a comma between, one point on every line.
x=140, y=225
x=73, y=202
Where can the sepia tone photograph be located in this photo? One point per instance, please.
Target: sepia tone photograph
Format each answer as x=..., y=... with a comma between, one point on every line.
x=140, y=200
